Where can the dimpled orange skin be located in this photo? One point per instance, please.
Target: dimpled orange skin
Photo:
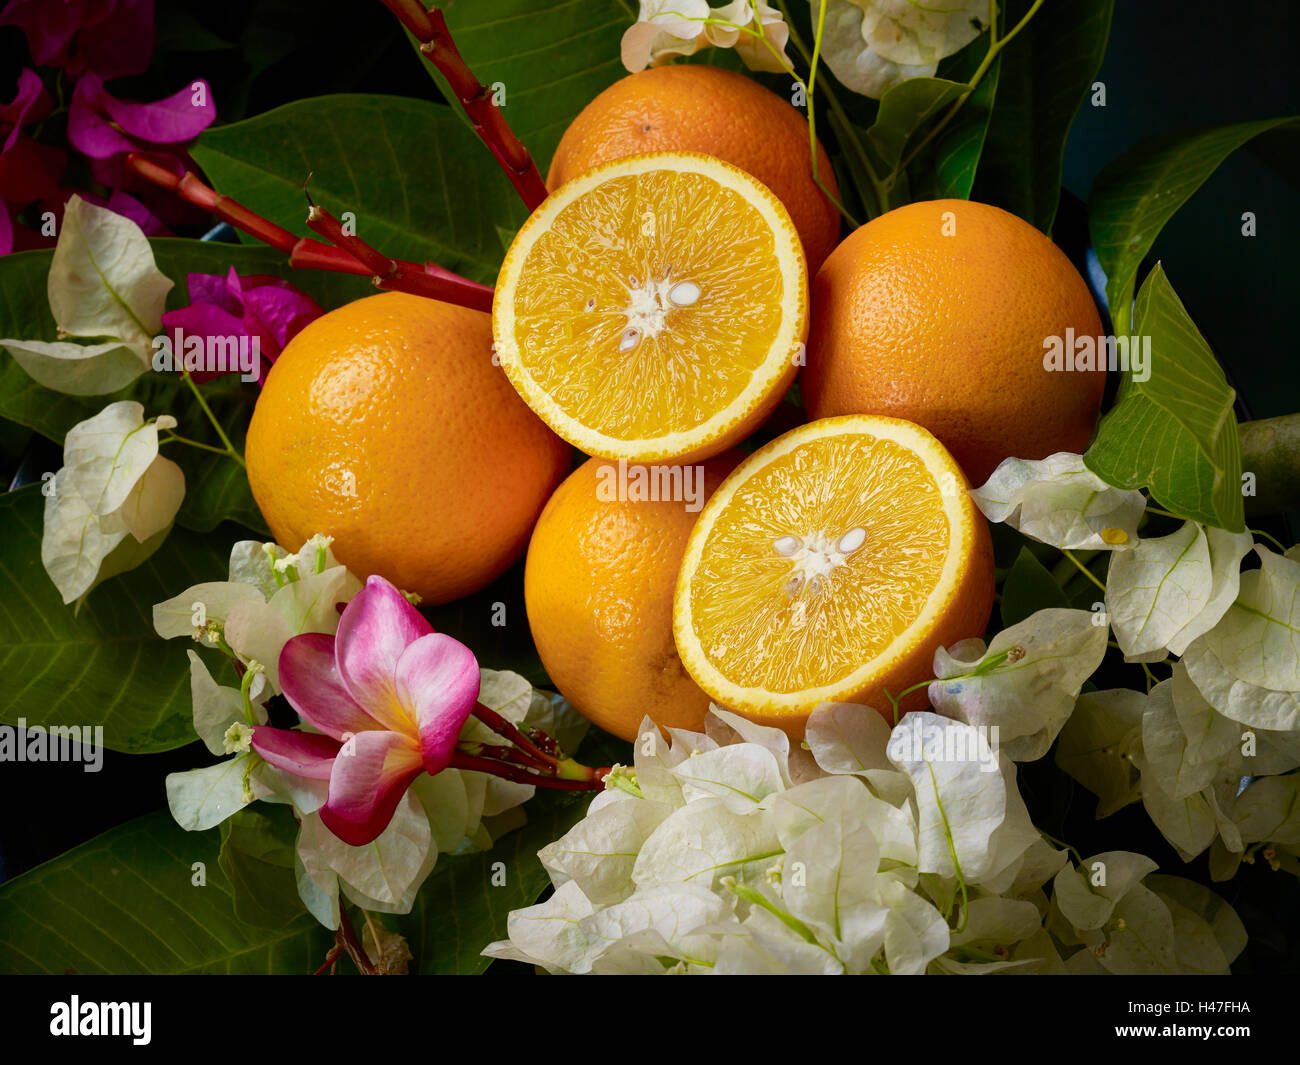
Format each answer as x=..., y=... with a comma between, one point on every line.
x=694, y=108
x=598, y=585
x=385, y=425
x=948, y=332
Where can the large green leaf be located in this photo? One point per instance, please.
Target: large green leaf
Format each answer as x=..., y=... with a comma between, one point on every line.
x=416, y=178
x=126, y=903
x=1046, y=72
x=1140, y=191
x=258, y=851
x=103, y=665
x=1174, y=433
x=551, y=63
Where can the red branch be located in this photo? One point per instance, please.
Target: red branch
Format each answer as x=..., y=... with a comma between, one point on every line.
x=437, y=46
x=351, y=255
x=461, y=760
x=507, y=729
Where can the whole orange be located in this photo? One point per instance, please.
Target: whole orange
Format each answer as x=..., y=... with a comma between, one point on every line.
x=938, y=313
x=717, y=112
x=385, y=425
x=598, y=585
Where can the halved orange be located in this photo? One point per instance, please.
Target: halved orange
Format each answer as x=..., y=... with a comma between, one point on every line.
x=829, y=567
x=654, y=307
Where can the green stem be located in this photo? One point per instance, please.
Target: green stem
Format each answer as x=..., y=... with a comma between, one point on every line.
x=1083, y=569
x=1151, y=677
x=788, y=67
x=844, y=130
x=1062, y=844
x=1270, y=538
x=173, y=438
x=245, y=686
x=203, y=403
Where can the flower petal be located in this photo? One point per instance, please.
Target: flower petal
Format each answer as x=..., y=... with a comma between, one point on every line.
x=377, y=626
x=304, y=754
x=48, y=27
x=30, y=103
x=170, y=121
x=88, y=130
x=278, y=312
x=310, y=681
x=370, y=776
x=438, y=680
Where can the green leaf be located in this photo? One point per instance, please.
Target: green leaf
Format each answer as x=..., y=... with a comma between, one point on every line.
x=1174, y=433
x=1029, y=588
x=126, y=903
x=421, y=186
x=258, y=852
x=551, y=63
x=1140, y=191
x=905, y=110
x=1046, y=73
x=104, y=665
x=946, y=168
x=464, y=904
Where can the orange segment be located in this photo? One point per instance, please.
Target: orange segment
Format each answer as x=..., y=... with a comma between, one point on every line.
x=829, y=567
x=653, y=308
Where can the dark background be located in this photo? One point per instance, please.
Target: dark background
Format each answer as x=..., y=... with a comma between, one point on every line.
x=1171, y=64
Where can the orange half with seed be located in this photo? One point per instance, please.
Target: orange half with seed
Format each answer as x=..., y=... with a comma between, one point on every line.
x=654, y=307
x=828, y=568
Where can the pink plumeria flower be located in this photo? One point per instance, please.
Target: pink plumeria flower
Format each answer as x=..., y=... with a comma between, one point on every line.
x=389, y=696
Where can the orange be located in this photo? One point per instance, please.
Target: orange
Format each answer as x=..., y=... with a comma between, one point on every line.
x=599, y=590
x=654, y=307
x=385, y=425
x=938, y=313
x=702, y=109
x=828, y=568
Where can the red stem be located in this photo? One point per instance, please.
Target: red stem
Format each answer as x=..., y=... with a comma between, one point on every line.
x=502, y=727
x=437, y=46
x=396, y=274
x=353, y=945
x=330, y=958
x=513, y=755
x=420, y=279
x=461, y=760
